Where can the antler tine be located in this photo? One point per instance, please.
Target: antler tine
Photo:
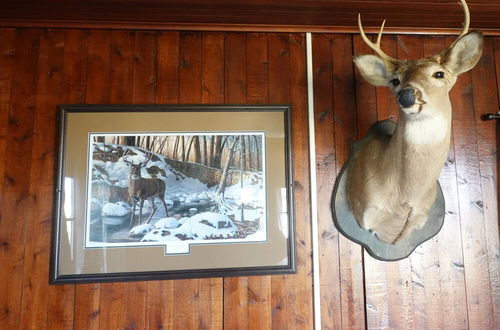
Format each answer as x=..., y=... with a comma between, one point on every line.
x=124, y=157
x=465, y=29
x=375, y=46
x=379, y=36
x=148, y=155
x=466, y=23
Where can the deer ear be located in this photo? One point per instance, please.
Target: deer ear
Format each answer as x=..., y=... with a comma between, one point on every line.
x=464, y=54
x=374, y=69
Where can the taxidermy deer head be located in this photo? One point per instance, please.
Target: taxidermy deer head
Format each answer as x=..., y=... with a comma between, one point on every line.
x=393, y=180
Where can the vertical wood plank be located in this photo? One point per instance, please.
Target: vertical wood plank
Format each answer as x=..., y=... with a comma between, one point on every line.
x=344, y=107
x=257, y=68
x=87, y=296
x=212, y=80
x=424, y=260
x=366, y=96
x=399, y=282
x=279, y=67
x=7, y=60
x=36, y=257
x=16, y=201
x=375, y=272
x=122, y=69
x=491, y=234
x=190, y=67
x=301, y=301
x=144, y=91
x=235, y=289
x=212, y=90
x=485, y=99
x=120, y=91
x=98, y=66
x=167, y=89
x=62, y=297
x=146, y=45
x=187, y=291
x=326, y=174
x=161, y=295
x=453, y=306
x=279, y=92
x=257, y=91
x=285, y=72
x=235, y=71
x=471, y=206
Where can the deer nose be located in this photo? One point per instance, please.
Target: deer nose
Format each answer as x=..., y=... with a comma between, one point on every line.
x=406, y=97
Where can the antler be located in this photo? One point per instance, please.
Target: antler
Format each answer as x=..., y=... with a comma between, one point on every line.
x=148, y=157
x=465, y=28
x=466, y=19
x=125, y=159
x=375, y=46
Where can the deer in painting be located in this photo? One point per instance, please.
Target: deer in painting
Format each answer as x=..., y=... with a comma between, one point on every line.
x=141, y=189
x=392, y=181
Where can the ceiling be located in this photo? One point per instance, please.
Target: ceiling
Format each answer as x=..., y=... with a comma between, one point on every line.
x=425, y=16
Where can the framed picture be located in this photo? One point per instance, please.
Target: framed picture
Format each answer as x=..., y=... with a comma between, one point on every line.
x=147, y=192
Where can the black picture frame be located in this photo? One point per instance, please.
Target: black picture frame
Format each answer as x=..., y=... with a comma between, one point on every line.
x=86, y=249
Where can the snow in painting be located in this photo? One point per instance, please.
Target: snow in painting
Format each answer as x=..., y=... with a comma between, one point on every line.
x=171, y=189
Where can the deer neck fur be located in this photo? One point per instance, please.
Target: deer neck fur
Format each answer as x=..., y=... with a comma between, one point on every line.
x=416, y=152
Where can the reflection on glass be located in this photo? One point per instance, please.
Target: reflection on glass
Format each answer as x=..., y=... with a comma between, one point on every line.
x=69, y=212
x=284, y=213
x=69, y=186
x=69, y=230
x=143, y=191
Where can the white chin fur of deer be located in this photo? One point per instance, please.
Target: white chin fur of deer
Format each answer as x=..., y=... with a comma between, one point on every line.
x=393, y=179
x=423, y=123
x=422, y=129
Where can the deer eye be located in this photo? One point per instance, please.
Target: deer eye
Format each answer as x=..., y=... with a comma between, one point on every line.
x=438, y=75
x=395, y=82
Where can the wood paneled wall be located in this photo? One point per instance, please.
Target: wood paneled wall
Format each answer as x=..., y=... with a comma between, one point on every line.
x=451, y=282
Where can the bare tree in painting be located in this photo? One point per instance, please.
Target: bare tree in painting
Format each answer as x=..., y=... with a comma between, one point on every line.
x=205, y=152
x=257, y=152
x=225, y=172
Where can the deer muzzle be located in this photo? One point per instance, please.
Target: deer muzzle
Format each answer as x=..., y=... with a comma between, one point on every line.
x=406, y=97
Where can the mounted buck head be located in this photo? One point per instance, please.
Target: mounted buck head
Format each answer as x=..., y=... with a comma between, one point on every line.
x=392, y=181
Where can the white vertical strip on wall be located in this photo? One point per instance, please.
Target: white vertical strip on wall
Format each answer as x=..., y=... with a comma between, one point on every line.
x=313, y=186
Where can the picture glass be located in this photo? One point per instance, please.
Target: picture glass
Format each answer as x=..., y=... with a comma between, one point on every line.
x=196, y=189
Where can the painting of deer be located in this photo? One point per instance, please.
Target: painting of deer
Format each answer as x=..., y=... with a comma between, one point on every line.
x=141, y=189
x=392, y=182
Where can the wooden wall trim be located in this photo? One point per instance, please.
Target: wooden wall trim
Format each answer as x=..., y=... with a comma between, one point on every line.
x=219, y=27
x=319, y=16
